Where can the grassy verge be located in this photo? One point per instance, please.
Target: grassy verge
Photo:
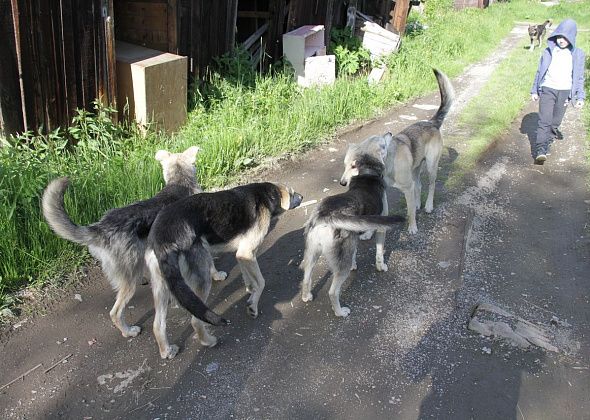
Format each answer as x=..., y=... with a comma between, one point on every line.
x=490, y=114
x=238, y=122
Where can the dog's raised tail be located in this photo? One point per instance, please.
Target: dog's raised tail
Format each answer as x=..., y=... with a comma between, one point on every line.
x=447, y=97
x=57, y=217
x=365, y=222
x=169, y=267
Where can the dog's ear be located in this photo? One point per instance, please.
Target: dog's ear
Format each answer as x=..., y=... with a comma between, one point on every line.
x=384, y=144
x=190, y=154
x=162, y=155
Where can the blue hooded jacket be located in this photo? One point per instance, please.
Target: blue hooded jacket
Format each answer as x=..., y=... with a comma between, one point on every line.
x=568, y=30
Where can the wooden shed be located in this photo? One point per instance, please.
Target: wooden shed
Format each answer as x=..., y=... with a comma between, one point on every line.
x=59, y=55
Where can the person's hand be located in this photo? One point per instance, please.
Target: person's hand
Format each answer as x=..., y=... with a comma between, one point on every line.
x=534, y=97
x=579, y=104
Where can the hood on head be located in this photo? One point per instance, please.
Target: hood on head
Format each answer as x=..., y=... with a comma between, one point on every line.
x=567, y=29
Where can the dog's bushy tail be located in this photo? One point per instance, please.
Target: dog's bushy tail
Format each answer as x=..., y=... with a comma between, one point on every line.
x=447, y=97
x=364, y=223
x=170, y=269
x=57, y=217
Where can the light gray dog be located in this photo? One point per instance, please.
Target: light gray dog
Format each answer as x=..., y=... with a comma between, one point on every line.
x=333, y=228
x=118, y=240
x=417, y=147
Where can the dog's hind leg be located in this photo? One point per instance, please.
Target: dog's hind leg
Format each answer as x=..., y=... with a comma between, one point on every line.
x=118, y=275
x=161, y=295
x=379, y=241
x=124, y=294
x=313, y=250
x=252, y=276
x=215, y=274
x=339, y=257
x=334, y=292
x=416, y=174
x=197, y=268
x=410, y=202
x=432, y=169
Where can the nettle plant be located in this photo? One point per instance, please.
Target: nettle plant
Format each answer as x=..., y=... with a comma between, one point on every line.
x=351, y=56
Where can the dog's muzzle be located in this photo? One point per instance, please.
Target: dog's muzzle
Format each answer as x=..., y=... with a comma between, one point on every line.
x=343, y=182
x=296, y=199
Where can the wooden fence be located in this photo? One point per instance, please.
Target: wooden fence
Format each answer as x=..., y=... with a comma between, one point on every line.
x=57, y=55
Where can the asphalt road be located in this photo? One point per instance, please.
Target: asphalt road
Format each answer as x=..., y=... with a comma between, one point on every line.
x=517, y=236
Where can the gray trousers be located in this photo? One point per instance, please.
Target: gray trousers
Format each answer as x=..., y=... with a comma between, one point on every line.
x=551, y=112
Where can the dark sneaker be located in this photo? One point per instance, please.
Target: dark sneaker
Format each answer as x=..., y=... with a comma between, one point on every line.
x=540, y=159
x=558, y=135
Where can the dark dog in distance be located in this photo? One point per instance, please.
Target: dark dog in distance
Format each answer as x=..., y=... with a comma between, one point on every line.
x=537, y=32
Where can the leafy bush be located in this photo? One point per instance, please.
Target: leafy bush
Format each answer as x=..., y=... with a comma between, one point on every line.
x=351, y=56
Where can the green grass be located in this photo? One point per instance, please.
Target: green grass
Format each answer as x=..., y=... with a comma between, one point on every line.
x=489, y=115
x=239, y=119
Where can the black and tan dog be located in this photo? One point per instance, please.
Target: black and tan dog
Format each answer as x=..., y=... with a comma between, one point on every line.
x=537, y=32
x=183, y=236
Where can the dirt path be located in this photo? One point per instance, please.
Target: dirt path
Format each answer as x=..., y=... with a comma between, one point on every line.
x=517, y=238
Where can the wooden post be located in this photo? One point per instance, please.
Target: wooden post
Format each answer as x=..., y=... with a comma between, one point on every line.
x=111, y=69
x=400, y=16
x=11, y=118
x=172, y=18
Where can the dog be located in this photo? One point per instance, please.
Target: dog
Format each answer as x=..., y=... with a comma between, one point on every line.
x=118, y=239
x=408, y=152
x=537, y=32
x=333, y=228
x=181, y=241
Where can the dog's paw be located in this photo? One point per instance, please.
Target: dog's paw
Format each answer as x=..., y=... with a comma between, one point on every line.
x=365, y=236
x=132, y=331
x=306, y=297
x=170, y=352
x=381, y=266
x=219, y=275
x=343, y=312
x=428, y=208
x=207, y=341
x=412, y=229
x=252, y=311
x=353, y=266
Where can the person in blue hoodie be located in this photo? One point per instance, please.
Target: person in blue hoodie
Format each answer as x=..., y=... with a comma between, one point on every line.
x=559, y=80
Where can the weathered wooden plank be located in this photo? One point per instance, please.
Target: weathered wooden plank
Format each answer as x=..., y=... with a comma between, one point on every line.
x=172, y=18
x=11, y=110
x=30, y=88
x=274, y=36
x=400, y=15
x=111, y=65
x=69, y=63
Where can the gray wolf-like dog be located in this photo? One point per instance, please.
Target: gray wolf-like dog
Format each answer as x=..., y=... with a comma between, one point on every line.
x=118, y=240
x=334, y=226
x=537, y=32
x=417, y=147
x=185, y=233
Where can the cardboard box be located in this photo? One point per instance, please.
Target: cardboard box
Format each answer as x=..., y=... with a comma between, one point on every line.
x=305, y=49
x=379, y=41
x=152, y=85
